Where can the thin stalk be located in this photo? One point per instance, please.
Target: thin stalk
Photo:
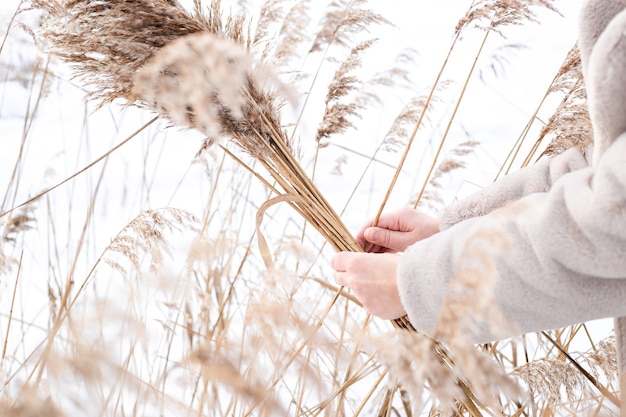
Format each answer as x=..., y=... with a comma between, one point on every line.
x=456, y=108
x=328, y=286
x=250, y=170
x=608, y=394
x=28, y=121
x=205, y=223
x=415, y=129
x=533, y=150
x=355, y=353
x=295, y=353
x=350, y=379
x=370, y=393
x=10, y=25
x=77, y=173
x=66, y=303
x=385, y=409
x=516, y=146
x=10, y=319
x=512, y=155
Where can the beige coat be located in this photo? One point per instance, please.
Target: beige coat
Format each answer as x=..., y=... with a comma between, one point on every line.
x=552, y=236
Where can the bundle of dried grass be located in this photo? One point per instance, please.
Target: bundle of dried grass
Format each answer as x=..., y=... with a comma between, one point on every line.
x=198, y=72
x=106, y=55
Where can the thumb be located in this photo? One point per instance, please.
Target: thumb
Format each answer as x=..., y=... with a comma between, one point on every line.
x=396, y=241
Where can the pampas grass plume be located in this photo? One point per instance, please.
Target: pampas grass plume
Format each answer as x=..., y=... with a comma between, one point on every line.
x=194, y=79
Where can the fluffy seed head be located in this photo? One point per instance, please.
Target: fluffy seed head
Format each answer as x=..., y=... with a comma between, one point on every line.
x=193, y=79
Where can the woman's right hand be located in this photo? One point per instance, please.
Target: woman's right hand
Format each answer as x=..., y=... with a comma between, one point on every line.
x=396, y=231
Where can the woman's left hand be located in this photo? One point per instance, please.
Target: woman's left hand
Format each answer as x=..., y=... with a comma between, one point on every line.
x=372, y=278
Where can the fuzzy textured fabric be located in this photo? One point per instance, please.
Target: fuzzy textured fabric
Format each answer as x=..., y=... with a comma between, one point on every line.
x=559, y=256
x=594, y=17
x=550, y=239
x=620, y=336
x=537, y=178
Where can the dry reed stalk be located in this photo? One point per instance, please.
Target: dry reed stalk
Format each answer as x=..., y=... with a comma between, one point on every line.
x=40, y=68
x=582, y=375
x=337, y=114
x=396, y=136
x=569, y=125
x=17, y=11
x=449, y=125
x=487, y=15
x=444, y=168
x=292, y=32
x=10, y=318
x=556, y=380
x=415, y=130
x=342, y=20
x=103, y=157
x=493, y=15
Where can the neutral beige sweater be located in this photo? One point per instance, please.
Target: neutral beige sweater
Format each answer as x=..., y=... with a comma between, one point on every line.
x=553, y=234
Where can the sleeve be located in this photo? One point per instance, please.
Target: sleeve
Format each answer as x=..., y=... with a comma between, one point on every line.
x=532, y=179
x=555, y=257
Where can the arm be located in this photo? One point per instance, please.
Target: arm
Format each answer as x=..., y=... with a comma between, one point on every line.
x=536, y=178
x=563, y=259
x=373, y=278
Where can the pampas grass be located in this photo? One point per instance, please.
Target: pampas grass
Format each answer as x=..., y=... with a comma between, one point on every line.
x=227, y=310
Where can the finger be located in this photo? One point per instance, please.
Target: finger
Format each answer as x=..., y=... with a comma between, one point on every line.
x=339, y=260
x=360, y=238
x=392, y=220
x=385, y=238
x=341, y=278
x=370, y=247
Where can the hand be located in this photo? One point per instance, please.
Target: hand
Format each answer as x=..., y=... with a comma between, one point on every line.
x=372, y=278
x=396, y=231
